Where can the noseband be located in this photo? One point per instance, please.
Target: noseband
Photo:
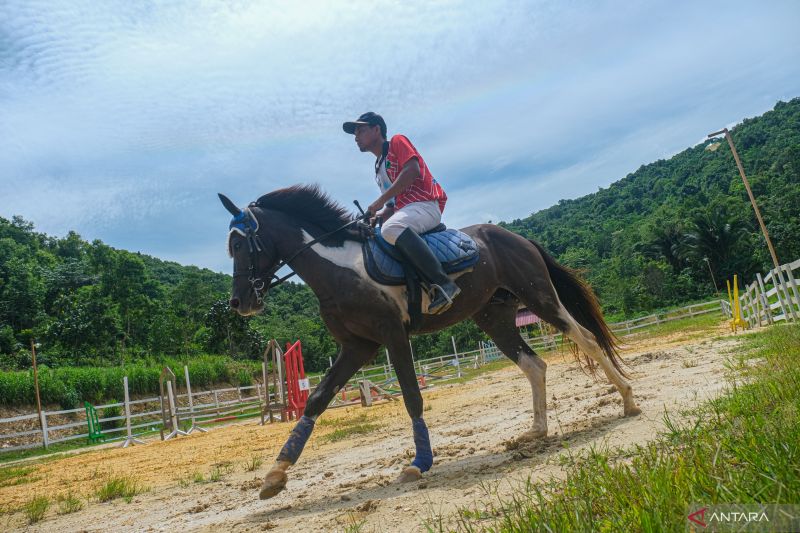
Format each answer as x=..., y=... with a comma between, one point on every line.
x=246, y=225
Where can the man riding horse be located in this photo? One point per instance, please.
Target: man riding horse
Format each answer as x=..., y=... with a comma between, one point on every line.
x=413, y=200
x=302, y=228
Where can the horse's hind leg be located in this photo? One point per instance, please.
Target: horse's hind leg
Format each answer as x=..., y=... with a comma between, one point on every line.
x=545, y=303
x=499, y=322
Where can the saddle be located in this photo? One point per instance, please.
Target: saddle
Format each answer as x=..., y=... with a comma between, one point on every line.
x=456, y=251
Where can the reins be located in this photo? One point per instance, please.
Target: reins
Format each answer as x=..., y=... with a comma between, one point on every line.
x=256, y=246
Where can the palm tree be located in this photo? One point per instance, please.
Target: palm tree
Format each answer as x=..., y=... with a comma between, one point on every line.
x=714, y=237
x=665, y=242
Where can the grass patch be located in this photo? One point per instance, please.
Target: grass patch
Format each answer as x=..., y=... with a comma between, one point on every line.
x=358, y=425
x=689, y=328
x=17, y=455
x=743, y=447
x=36, y=508
x=119, y=487
x=198, y=477
x=219, y=470
x=16, y=476
x=253, y=464
x=343, y=433
x=69, y=503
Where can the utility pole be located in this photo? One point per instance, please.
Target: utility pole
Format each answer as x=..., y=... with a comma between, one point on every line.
x=716, y=290
x=749, y=192
x=36, y=386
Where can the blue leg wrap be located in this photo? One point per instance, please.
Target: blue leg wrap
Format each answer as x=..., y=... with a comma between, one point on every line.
x=297, y=440
x=424, y=457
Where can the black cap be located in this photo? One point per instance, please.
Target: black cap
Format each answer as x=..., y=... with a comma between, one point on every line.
x=370, y=119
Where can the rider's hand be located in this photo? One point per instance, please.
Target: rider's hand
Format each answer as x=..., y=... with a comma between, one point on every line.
x=382, y=217
x=374, y=207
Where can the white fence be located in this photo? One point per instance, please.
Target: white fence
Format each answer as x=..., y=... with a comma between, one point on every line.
x=138, y=417
x=145, y=415
x=771, y=298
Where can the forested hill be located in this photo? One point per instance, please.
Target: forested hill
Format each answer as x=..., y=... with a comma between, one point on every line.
x=643, y=240
x=90, y=304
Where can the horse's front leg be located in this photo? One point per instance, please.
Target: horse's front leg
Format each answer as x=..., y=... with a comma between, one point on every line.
x=400, y=353
x=351, y=357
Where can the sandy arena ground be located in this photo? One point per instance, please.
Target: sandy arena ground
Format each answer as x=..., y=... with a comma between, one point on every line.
x=338, y=484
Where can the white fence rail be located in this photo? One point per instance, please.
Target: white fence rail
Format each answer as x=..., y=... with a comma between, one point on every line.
x=771, y=298
x=145, y=415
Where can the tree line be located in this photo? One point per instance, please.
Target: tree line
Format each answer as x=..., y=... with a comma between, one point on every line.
x=653, y=239
x=666, y=233
x=88, y=304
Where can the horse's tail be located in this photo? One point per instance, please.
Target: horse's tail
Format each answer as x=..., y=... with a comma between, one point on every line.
x=581, y=302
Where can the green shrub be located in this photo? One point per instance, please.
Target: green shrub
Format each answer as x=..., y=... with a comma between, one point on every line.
x=71, y=386
x=244, y=377
x=111, y=412
x=36, y=508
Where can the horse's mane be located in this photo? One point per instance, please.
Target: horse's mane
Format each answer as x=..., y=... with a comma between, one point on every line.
x=308, y=203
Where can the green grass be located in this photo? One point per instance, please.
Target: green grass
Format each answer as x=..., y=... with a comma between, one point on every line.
x=70, y=386
x=690, y=327
x=16, y=476
x=743, y=447
x=253, y=464
x=358, y=425
x=36, y=508
x=69, y=503
x=119, y=487
x=343, y=433
x=219, y=470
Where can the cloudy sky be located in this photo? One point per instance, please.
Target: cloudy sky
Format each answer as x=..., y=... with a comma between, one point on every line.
x=122, y=120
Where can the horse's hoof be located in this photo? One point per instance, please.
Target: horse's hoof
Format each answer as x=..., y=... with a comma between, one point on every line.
x=409, y=474
x=531, y=435
x=632, y=411
x=273, y=484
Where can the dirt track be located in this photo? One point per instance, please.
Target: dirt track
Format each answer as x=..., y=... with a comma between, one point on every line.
x=337, y=484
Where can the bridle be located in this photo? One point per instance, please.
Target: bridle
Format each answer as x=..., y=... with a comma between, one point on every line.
x=246, y=225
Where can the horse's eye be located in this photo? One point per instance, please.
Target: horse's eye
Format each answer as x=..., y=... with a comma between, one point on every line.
x=237, y=246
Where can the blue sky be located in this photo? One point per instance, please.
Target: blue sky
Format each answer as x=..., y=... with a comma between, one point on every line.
x=122, y=120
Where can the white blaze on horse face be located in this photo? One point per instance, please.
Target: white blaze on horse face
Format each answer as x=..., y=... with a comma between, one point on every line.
x=349, y=256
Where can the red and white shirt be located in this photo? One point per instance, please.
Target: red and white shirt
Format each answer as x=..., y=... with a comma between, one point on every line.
x=424, y=189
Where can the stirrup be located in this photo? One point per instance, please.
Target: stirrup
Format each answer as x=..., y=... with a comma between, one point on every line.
x=432, y=288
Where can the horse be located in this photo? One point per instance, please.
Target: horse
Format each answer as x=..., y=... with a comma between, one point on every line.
x=302, y=227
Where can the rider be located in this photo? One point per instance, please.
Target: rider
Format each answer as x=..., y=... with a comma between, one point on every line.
x=413, y=202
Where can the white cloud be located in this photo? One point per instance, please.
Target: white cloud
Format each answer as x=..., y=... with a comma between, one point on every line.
x=137, y=111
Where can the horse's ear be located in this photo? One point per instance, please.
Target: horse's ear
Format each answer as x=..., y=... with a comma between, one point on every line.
x=230, y=206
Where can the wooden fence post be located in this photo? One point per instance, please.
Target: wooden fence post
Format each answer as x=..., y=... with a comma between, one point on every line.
x=191, y=403
x=787, y=295
x=130, y=438
x=764, y=300
x=43, y=421
x=455, y=351
x=793, y=284
x=782, y=293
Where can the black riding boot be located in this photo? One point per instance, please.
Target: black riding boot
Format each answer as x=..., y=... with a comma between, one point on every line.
x=417, y=253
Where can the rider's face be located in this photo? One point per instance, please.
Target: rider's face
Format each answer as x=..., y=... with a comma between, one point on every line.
x=367, y=136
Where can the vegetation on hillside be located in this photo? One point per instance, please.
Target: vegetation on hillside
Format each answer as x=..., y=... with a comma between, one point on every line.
x=652, y=238
x=88, y=304
x=648, y=241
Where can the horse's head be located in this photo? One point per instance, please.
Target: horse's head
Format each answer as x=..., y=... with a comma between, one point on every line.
x=253, y=269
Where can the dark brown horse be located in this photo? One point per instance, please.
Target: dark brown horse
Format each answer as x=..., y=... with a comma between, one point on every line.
x=362, y=315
